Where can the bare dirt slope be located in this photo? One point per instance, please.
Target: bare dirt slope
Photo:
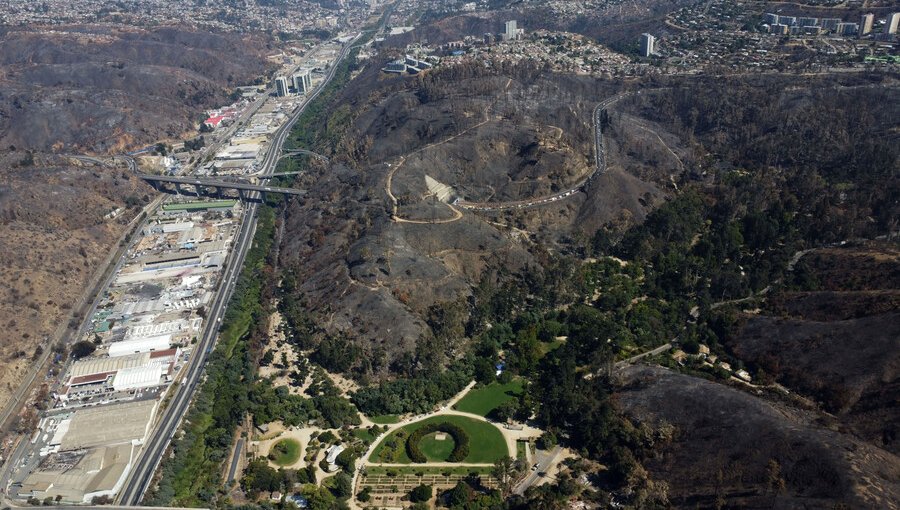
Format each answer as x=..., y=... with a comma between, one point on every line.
x=53, y=234
x=105, y=88
x=838, y=344
x=88, y=89
x=372, y=269
x=727, y=440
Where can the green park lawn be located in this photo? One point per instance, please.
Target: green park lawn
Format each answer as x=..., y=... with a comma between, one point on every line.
x=285, y=452
x=385, y=419
x=483, y=400
x=486, y=443
x=437, y=450
x=364, y=434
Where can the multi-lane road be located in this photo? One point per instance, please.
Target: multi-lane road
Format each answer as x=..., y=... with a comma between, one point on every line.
x=142, y=474
x=206, y=182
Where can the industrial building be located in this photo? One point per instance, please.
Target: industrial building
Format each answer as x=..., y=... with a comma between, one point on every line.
x=81, y=477
x=140, y=345
x=138, y=378
x=126, y=423
x=93, y=367
x=91, y=452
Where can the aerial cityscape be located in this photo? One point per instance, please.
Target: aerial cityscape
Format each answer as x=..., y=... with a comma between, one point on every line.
x=514, y=255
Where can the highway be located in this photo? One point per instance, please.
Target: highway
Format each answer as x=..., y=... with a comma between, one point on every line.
x=149, y=458
x=218, y=183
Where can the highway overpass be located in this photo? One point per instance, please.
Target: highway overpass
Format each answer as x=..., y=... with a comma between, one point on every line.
x=204, y=184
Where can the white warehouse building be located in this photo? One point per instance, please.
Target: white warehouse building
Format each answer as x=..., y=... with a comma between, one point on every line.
x=150, y=343
x=138, y=377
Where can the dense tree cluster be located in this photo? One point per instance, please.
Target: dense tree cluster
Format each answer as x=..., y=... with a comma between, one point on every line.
x=192, y=474
x=415, y=395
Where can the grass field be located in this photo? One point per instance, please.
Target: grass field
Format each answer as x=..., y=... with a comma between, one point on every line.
x=486, y=443
x=285, y=452
x=385, y=419
x=435, y=450
x=483, y=400
x=520, y=449
x=364, y=434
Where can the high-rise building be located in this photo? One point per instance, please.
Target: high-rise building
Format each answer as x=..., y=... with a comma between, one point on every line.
x=847, y=28
x=892, y=23
x=302, y=81
x=771, y=19
x=808, y=22
x=830, y=23
x=865, y=23
x=648, y=45
x=512, y=32
x=281, y=86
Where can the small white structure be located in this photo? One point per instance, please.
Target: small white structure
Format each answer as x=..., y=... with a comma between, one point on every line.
x=332, y=455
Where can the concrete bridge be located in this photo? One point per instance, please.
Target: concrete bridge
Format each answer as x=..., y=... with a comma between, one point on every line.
x=215, y=187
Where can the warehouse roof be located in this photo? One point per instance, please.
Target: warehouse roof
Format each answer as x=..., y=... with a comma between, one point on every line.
x=106, y=365
x=98, y=472
x=138, y=377
x=150, y=343
x=110, y=425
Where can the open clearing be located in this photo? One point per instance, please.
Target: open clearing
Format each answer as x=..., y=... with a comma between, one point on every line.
x=285, y=452
x=437, y=446
x=483, y=400
x=486, y=443
x=384, y=419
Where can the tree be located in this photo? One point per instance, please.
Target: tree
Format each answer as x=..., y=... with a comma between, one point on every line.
x=342, y=485
x=420, y=494
x=82, y=349
x=547, y=440
x=259, y=477
x=506, y=470
x=506, y=411
x=485, y=372
x=458, y=495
